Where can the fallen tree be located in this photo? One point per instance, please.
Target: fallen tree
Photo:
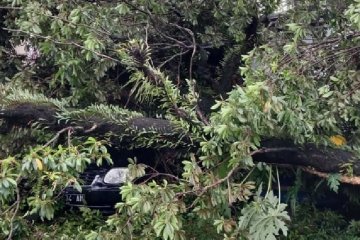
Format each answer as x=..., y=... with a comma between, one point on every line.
x=217, y=86
x=283, y=152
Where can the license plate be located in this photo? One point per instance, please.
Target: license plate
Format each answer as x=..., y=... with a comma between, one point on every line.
x=75, y=198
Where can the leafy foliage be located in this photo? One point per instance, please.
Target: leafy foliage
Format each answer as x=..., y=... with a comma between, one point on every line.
x=118, y=64
x=264, y=218
x=311, y=223
x=333, y=182
x=42, y=173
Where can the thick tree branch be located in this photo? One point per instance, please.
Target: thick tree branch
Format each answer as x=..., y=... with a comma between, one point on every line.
x=127, y=130
x=273, y=151
x=323, y=159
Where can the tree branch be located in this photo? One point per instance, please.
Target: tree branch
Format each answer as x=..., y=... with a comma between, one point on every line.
x=324, y=159
x=273, y=151
x=128, y=129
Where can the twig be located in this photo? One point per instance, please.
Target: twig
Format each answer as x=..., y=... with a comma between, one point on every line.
x=135, y=7
x=202, y=116
x=216, y=183
x=147, y=34
x=191, y=33
x=57, y=135
x=229, y=192
x=343, y=179
x=278, y=180
x=172, y=57
x=269, y=182
x=70, y=131
x=178, y=70
x=12, y=8
x=63, y=43
x=311, y=48
x=91, y=129
x=8, y=209
x=270, y=150
x=157, y=173
x=231, y=172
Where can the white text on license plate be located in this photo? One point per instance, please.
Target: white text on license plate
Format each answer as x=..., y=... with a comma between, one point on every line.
x=79, y=198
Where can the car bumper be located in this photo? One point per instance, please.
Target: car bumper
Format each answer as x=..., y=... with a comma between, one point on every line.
x=101, y=198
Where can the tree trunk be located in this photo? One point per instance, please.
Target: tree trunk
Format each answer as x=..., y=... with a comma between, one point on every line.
x=321, y=159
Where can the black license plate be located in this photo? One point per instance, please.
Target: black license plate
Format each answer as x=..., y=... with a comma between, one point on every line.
x=75, y=198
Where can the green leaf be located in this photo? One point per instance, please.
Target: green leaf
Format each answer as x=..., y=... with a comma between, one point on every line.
x=264, y=218
x=122, y=8
x=36, y=29
x=334, y=182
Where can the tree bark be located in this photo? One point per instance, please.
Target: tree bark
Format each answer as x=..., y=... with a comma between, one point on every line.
x=324, y=160
x=25, y=114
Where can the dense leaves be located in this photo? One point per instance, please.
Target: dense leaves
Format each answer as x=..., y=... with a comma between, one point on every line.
x=144, y=74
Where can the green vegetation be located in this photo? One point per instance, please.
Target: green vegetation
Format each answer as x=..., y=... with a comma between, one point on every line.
x=229, y=95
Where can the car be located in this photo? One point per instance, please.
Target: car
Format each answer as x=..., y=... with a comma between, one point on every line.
x=100, y=188
x=101, y=185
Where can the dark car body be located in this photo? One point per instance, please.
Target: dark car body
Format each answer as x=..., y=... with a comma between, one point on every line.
x=95, y=194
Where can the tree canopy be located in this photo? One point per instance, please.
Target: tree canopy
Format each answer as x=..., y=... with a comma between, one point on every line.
x=228, y=94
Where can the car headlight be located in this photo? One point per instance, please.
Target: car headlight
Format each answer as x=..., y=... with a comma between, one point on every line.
x=116, y=175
